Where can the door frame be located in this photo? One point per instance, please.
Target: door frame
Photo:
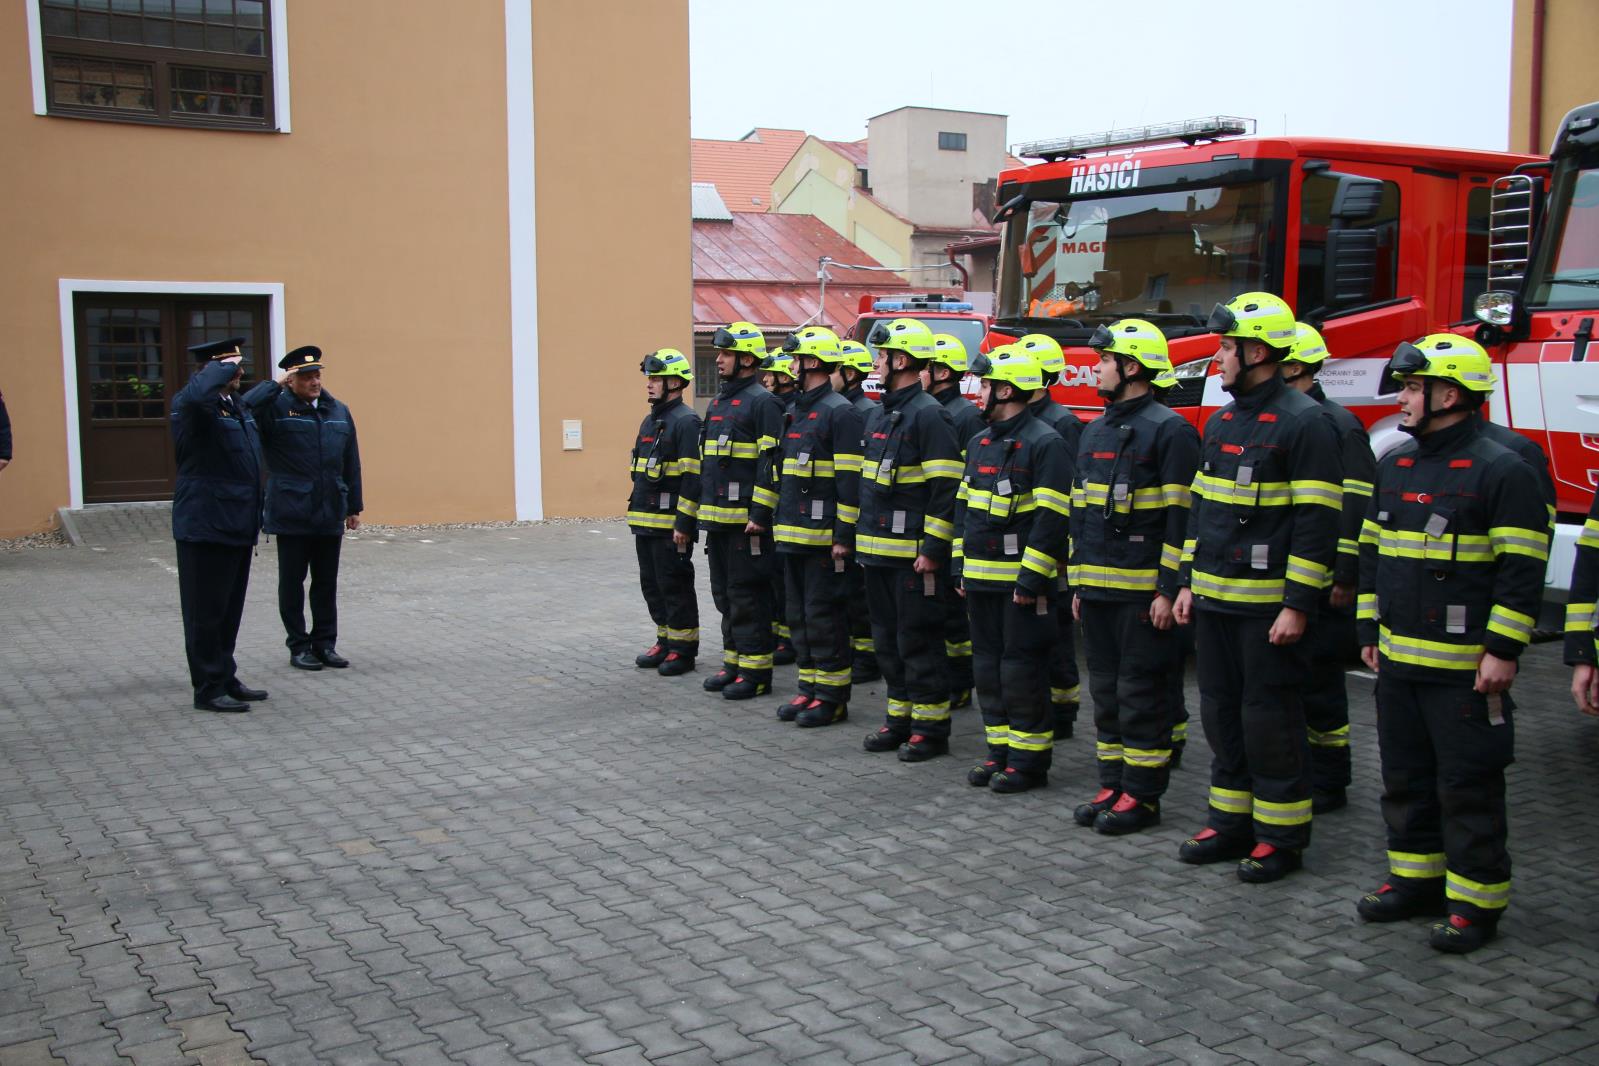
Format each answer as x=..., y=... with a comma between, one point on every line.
x=68, y=288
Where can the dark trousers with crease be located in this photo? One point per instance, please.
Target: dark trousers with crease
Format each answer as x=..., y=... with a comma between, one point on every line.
x=1064, y=680
x=666, y=577
x=957, y=636
x=319, y=556
x=1011, y=648
x=212, y=579
x=741, y=585
x=908, y=633
x=860, y=619
x=816, y=594
x=1250, y=699
x=1129, y=671
x=1330, y=642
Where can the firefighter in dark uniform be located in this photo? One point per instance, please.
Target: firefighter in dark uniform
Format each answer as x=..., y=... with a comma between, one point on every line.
x=817, y=509
x=1262, y=539
x=909, y=474
x=778, y=375
x=1452, y=557
x=313, y=494
x=1330, y=639
x=1013, y=514
x=1582, y=617
x=216, y=515
x=1183, y=644
x=942, y=380
x=737, y=494
x=1135, y=466
x=848, y=375
x=666, y=470
x=1065, y=691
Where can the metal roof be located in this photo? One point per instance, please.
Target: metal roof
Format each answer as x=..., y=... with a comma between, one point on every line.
x=706, y=203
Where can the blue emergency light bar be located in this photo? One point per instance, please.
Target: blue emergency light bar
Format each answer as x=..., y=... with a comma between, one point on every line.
x=919, y=305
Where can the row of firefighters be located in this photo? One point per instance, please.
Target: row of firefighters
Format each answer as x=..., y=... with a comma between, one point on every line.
x=949, y=549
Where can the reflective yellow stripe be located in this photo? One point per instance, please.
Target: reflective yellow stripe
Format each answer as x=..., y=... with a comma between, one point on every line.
x=1237, y=589
x=990, y=570
x=683, y=634
x=1230, y=800
x=1580, y=617
x=1295, y=812
x=1323, y=492
x=1179, y=733
x=957, y=648
x=1256, y=494
x=1512, y=624
x=765, y=443
x=1347, y=546
x=1149, y=498
x=1188, y=550
x=950, y=468
x=1334, y=738
x=934, y=526
x=1147, y=758
x=1513, y=540
x=800, y=535
x=1450, y=547
x=1032, y=741
x=817, y=468
x=660, y=632
x=650, y=520
x=888, y=547
x=836, y=678
x=1171, y=556
x=764, y=497
x=1052, y=500
x=899, y=708
x=1087, y=575
x=930, y=712
x=733, y=449
x=997, y=736
x=729, y=657
x=861, y=643
x=1308, y=572
x=848, y=515
x=1176, y=495
x=1370, y=532
x=1415, y=864
x=1038, y=562
x=1366, y=606
x=806, y=674
x=755, y=662
x=1065, y=695
x=994, y=504
x=847, y=462
x=1436, y=654
x=688, y=506
x=1589, y=537
x=1356, y=487
x=1107, y=752
x=724, y=515
x=1491, y=897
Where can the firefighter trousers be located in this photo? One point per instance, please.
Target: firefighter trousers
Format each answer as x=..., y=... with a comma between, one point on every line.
x=816, y=593
x=780, y=622
x=666, y=577
x=1011, y=646
x=860, y=619
x=1176, y=695
x=1444, y=750
x=1065, y=692
x=1250, y=702
x=741, y=585
x=908, y=634
x=957, y=636
x=1330, y=643
x=1129, y=671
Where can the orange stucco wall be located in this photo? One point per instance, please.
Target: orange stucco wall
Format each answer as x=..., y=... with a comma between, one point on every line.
x=1570, y=76
x=610, y=86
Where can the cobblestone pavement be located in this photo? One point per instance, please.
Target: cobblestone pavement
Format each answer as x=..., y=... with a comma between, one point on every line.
x=494, y=840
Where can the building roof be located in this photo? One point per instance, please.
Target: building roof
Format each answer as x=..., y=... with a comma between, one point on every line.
x=949, y=110
x=742, y=170
x=854, y=151
x=706, y=203
x=762, y=269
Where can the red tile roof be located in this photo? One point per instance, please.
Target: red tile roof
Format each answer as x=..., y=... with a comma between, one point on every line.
x=742, y=170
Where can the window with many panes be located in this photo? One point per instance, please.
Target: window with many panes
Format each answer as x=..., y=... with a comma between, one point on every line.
x=177, y=62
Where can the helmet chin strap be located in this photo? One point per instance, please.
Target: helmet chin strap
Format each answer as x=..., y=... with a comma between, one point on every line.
x=1242, y=382
x=669, y=390
x=1428, y=414
x=994, y=400
x=1115, y=395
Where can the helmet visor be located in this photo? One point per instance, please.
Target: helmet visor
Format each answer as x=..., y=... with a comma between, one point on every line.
x=1407, y=359
x=879, y=336
x=1102, y=338
x=792, y=343
x=653, y=364
x=722, y=338
x=1222, y=320
x=981, y=365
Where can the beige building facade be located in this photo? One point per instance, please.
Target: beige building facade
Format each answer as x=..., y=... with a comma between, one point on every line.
x=1551, y=68
x=416, y=190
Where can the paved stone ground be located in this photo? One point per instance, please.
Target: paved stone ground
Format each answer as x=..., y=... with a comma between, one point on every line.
x=494, y=840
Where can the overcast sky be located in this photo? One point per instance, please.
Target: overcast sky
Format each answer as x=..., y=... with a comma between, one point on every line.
x=1418, y=71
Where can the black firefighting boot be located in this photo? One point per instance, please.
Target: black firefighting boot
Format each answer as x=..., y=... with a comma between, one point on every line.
x=1129, y=815
x=960, y=698
x=783, y=653
x=787, y=712
x=674, y=664
x=722, y=678
x=746, y=687
x=1011, y=779
x=1327, y=800
x=885, y=739
x=649, y=660
x=1460, y=934
x=980, y=775
x=920, y=748
x=1268, y=863
x=1395, y=903
x=1088, y=813
x=818, y=713
x=1208, y=846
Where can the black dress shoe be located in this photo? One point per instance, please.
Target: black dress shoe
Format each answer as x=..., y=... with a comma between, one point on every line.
x=249, y=695
x=329, y=657
x=304, y=660
x=224, y=704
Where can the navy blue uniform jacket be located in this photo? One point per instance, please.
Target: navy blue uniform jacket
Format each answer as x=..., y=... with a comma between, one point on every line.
x=313, y=462
x=218, y=497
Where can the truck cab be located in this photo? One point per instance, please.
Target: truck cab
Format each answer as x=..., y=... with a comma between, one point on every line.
x=939, y=312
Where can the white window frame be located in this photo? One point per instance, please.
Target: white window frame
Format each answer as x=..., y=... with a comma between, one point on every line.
x=280, y=62
x=69, y=288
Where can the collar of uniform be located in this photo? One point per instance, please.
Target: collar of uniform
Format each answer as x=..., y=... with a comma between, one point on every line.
x=1316, y=392
x=1124, y=408
x=325, y=401
x=736, y=385
x=1009, y=427
x=667, y=403
x=1037, y=406
x=1451, y=439
x=1261, y=394
x=946, y=393
x=804, y=401
x=853, y=393
x=899, y=397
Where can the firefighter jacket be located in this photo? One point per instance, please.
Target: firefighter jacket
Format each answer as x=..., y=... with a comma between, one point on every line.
x=1130, y=497
x=1452, y=556
x=1582, y=606
x=738, y=449
x=862, y=402
x=820, y=457
x=909, y=472
x=1532, y=455
x=218, y=496
x=312, y=458
x=1013, y=508
x=1360, y=470
x=1062, y=420
x=665, y=467
x=968, y=420
x=1263, y=526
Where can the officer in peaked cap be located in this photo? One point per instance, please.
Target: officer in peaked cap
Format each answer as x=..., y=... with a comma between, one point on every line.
x=216, y=514
x=313, y=495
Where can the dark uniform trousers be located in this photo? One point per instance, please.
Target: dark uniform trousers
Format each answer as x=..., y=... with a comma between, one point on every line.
x=1129, y=677
x=908, y=633
x=741, y=584
x=863, y=653
x=1254, y=716
x=781, y=627
x=1444, y=750
x=1065, y=691
x=666, y=577
x=318, y=555
x=957, y=635
x=1176, y=697
x=1330, y=644
x=816, y=593
x=1011, y=647
x=212, y=579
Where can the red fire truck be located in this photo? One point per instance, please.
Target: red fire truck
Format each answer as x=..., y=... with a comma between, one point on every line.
x=940, y=312
x=1372, y=243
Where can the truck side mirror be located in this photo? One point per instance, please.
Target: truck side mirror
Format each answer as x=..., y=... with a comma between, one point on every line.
x=1495, y=308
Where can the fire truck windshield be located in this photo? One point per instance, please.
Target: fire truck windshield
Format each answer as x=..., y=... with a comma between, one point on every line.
x=969, y=331
x=1165, y=255
x=1567, y=272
